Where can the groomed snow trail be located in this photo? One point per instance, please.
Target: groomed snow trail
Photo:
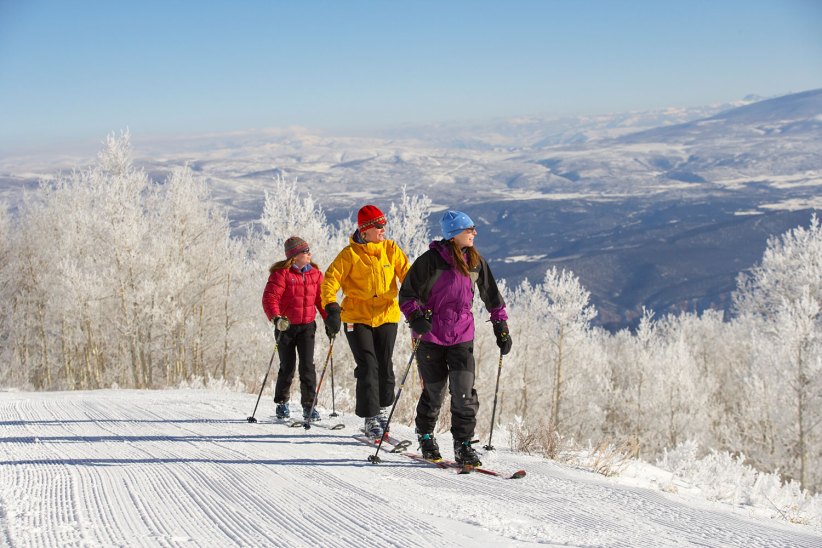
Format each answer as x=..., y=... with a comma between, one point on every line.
x=184, y=468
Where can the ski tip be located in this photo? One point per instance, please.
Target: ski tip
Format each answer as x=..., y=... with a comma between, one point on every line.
x=338, y=426
x=518, y=474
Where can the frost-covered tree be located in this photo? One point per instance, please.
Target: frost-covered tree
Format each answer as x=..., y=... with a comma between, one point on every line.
x=566, y=327
x=719, y=351
x=410, y=217
x=616, y=391
x=200, y=267
x=781, y=300
x=6, y=288
x=287, y=211
x=555, y=319
x=530, y=376
x=677, y=392
x=119, y=279
x=30, y=314
x=636, y=380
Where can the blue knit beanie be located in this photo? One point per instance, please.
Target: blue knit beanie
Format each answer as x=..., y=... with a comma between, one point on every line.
x=454, y=222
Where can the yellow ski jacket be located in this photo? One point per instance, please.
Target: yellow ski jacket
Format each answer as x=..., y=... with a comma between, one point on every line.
x=367, y=274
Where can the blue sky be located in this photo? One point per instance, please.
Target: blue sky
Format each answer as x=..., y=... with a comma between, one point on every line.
x=75, y=70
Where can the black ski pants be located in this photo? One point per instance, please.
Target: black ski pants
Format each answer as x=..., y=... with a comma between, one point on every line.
x=373, y=349
x=452, y=367
x=297, y=339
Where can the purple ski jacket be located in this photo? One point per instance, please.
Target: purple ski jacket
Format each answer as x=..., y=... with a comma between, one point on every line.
x=434, y=283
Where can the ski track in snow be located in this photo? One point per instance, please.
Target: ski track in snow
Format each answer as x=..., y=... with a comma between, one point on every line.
x=184, y=467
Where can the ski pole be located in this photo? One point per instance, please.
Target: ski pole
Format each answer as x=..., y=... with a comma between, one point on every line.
x=333, y=408
x=374, y=459
x=307, y=421
x=265, y=379
x=490, y=447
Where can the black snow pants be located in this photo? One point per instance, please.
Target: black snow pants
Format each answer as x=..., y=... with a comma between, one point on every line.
x=452, y=367
x=373, y=348
x=297, y=339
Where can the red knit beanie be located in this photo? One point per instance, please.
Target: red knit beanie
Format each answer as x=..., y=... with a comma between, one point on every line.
x=369, y=216
x=294, y=246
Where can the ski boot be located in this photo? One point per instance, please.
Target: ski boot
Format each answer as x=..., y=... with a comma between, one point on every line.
x=465, y=455
x=372, y=427
x=283, y=411
x=315, y=415
x=428, y=446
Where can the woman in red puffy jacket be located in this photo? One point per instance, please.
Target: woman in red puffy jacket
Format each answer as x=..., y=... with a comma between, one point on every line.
x=293, y=292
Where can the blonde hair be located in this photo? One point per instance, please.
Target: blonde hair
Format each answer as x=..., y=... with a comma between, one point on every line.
x=279, y=265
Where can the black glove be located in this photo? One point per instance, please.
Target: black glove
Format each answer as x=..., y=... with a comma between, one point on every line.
x=503, y=336
x=332, y=321
x=420, y=322
x=280, y=323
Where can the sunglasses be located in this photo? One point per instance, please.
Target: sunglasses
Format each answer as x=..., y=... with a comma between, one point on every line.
x=471, y=229
x=378, y=226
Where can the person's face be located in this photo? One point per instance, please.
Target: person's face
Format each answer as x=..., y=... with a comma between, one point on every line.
x=466, y=237
x=374, y=233
x=303, y=258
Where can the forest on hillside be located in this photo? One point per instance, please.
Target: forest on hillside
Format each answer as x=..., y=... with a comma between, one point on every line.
x=111, y=279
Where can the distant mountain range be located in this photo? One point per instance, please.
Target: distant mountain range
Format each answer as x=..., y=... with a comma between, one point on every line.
x=659, y=209
x=667, y=217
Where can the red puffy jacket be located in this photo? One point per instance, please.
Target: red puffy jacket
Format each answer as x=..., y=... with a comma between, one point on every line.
x=294, y=294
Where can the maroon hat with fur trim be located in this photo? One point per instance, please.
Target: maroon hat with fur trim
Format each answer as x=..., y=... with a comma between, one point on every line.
x=294, y=246
x=368, y=216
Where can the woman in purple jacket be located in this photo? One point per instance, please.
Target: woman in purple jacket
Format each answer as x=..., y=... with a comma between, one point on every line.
x=436, y=298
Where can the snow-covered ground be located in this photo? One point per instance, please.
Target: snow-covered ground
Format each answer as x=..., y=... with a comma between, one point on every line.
x=185, y=468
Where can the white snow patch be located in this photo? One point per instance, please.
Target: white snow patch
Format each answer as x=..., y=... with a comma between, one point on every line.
x=524, y=258
x=795, y=204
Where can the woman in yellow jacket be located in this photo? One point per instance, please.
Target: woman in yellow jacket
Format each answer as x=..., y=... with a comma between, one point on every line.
x=369, y=271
